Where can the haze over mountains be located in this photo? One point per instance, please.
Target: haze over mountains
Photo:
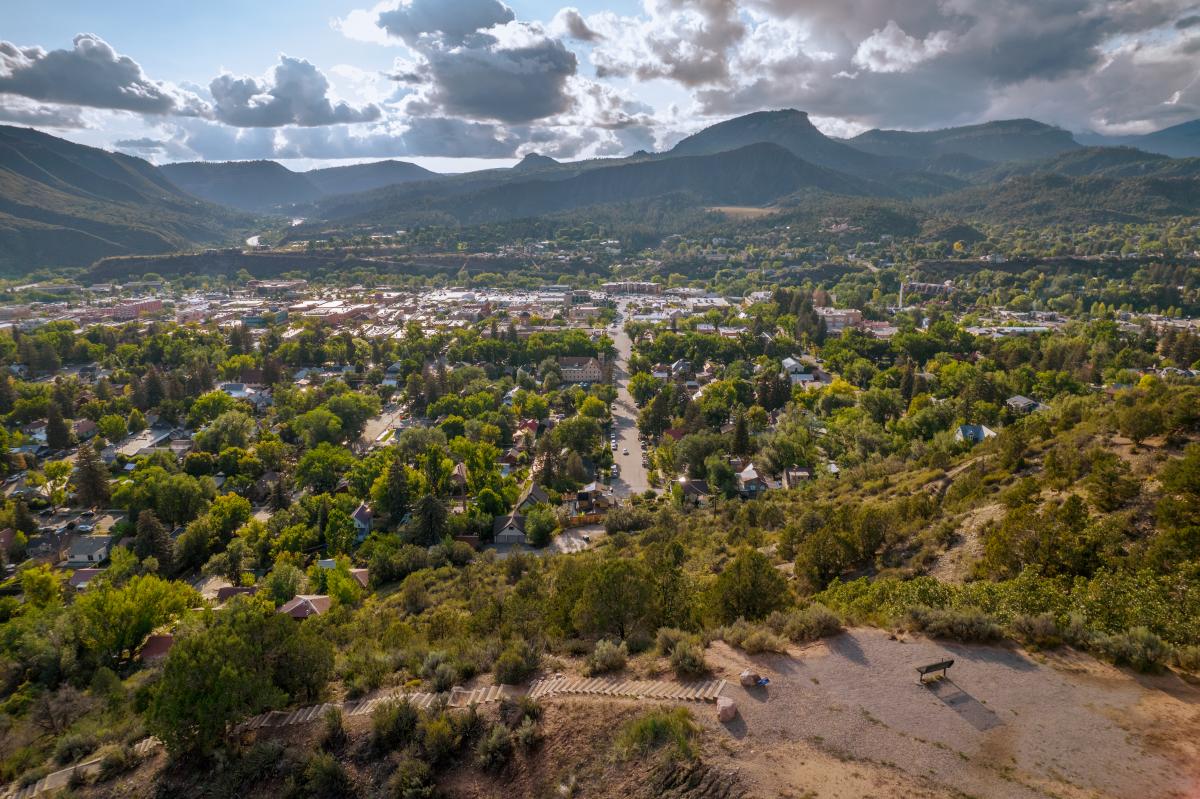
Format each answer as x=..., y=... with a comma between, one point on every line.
x=66, y=204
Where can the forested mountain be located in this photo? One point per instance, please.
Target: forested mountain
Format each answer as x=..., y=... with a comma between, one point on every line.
x=268, y=185
x=1002, y=140
x=1112, y=162
x=67, y=204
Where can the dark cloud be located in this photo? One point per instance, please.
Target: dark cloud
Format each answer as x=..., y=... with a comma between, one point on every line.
x=1187, y=22
x=295, y=93
x=91, y=74
x=570, y=23
x=509, y=84
x=450, y=21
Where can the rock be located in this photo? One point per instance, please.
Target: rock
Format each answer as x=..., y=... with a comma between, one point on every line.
x=726, y=710
x=748, y=679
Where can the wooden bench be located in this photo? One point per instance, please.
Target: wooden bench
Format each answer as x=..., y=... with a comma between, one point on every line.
x=941, y=666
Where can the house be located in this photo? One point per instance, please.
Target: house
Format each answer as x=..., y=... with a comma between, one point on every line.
x=237, y=390
x=84, y=429
x=458, y=479
x=1021, y=404
x=302, y=606
x=593, y=497
x=509, y=529
x=695, y=491
x=89, y=549
x=362, y=576
x=750, y=482
x=362, y=518
x=974, y=433
x=580, y=369
x=533, y=495
x=796, y=476
x=228, y=592
x=81, y=578
x=8, y=537
x=156, y=648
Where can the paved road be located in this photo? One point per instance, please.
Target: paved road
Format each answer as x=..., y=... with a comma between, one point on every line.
x=376, y=425
x=633, y=479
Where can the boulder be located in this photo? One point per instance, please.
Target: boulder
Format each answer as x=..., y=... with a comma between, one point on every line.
x=748, y=679
x=726, y=709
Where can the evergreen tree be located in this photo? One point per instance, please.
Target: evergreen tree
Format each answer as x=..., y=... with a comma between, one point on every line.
x=91, y=477
x=393, y=498
x=58, y=432
x=279, y=499
x=137, y=421
x=152, y=540
x=429, y=517
x=8, y=394
x=23, y=520
x=153, y=389
x=741, y=435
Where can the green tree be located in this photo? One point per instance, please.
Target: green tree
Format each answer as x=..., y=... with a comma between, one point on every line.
x=540, y=524
x=90, y=477
x=616, y=599
x=112, y=621
x=339, y=532
x=429, y=520
x=58, y=432
x=322, y=466
x=152, y=541
x=390, y=494
x=749, y=587
x=136, y=422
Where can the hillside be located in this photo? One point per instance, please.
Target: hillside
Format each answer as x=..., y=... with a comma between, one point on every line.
x=268, y=185
x=791, y=130
x=1002, y=140
x=1111, y=162
x=753, y=175
x=64, y=204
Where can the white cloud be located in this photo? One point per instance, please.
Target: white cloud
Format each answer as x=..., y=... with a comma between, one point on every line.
x=294, y=92
x=890, y=49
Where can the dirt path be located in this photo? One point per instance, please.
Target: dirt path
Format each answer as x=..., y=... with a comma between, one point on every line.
x=954, y=564
x=846, y=718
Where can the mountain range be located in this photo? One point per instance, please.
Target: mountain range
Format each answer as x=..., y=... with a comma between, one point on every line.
x=63, y=204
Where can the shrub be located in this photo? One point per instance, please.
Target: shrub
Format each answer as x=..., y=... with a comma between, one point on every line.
x=438, y=739
x=528, y=735
x=412, y=779
x=494, y=749
x=807, y=624
x=606, y=657
x=1138, y=648
x=393, y=725
x=668, y=637
x=325, y=778
x=687, y=658
x=73, y=746
x=658, y=728
x=1188, y=658
x=957, y=625
x=514, y=712
x=117, y=761
x=516, y=664
x=1039, y=631
x=751, y=638
x=333, y=729
x=444, y=677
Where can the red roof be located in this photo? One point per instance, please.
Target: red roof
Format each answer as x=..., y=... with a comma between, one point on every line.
x=157, y=647
x=302, y=606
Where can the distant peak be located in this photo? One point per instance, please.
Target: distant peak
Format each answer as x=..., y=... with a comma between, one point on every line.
x=535, y=160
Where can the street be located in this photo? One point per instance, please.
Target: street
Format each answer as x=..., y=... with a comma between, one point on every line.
x=633, y=477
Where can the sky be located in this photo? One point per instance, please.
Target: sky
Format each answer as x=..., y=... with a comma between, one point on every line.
x=459, y=84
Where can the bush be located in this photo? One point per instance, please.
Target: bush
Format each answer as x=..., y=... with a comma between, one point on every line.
x=393, y=725
x=438, y=738
x=658, y=728
x=444, y=677
x=117, y=761
x=808, y=624
x=606, y=657
x=333, y=729
x=514, y=712
x=687, y=658
x=1188, y=658
x=412, y=779
x=528, y=735
x=73, y=746
x=516, y=664
x=751, y=638
x=326, y=778
x=1138, y=648
x=494, y=749
x=957, y=625
x=1039, y=631
x=667, y=639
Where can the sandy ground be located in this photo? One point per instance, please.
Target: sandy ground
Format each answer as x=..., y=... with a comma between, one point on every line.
x=954, y=564
x=847, y=718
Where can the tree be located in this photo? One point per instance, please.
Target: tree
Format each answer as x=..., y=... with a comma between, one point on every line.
x=339, y=532
x=279, y=498
x=616, y=599
x=58, y=432
x=244, y=660
x=208, y=407
x=114, y=621
x=1109, y=483
x=90, y=478
x=643, y=387
x=390, y=493
x=749, y=588
x=112, y=427
x=230, y=429
x=54, y=480
x=136, y=422
x=429, y=520
x=741, y=436
x=1140, y=421
x=322, y=466
x=540, y=524
x=151, y=540
x=41, y=585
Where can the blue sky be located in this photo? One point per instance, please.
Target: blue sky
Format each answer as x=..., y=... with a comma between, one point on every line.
x=453, y=84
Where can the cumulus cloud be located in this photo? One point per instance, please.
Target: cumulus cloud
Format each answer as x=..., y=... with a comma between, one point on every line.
x=294, y=92
x=451, y=22
x=91, y=74
x=890, y=49
x=569, y=23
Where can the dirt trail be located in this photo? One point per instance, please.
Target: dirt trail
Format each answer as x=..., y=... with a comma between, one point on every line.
x=954, y=564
